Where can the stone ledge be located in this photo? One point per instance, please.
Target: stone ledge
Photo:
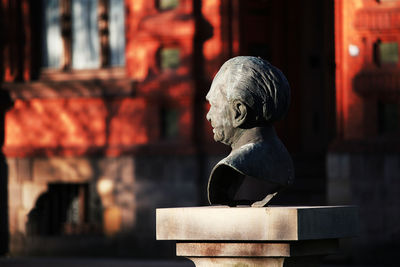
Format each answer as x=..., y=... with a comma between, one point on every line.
x=280, y=223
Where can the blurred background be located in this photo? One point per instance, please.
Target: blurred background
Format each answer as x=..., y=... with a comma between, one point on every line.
x=102, y=116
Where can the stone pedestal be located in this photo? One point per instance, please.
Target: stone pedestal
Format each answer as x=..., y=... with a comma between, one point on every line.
x=244, y=236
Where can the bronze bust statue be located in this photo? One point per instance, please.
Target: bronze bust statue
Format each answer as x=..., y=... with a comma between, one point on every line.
x=246, y=96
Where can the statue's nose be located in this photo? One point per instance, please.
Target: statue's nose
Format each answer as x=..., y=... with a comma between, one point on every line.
x=208, y=116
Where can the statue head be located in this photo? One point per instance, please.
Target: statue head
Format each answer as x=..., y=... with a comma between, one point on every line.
x=246, y=92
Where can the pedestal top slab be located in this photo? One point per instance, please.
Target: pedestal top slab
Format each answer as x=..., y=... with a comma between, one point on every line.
x=276, y=223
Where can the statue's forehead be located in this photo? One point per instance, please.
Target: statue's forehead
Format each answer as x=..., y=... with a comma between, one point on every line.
x=216, y=92
x=219, y=84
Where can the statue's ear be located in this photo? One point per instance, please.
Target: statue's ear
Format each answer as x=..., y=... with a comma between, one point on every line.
x=239, y=111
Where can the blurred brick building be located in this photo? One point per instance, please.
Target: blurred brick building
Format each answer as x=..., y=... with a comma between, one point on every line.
x=363, y=163
x=105, y=112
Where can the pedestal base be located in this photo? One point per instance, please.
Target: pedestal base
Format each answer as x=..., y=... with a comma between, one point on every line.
x=244, y=236
x=257, y=262
x=302, y=253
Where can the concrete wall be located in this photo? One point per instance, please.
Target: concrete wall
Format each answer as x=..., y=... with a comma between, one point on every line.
x=372, y=182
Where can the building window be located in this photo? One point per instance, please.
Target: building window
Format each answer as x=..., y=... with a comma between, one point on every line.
x=167, y=4
x=83, y=34
x=388, y=116
x=169, y=58
x=52, y=42
x=389, y=53
x=386, y=53
x=117, y=32
x=169, y=123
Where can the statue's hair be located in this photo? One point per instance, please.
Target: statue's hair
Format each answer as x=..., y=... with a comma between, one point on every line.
x=258, y=84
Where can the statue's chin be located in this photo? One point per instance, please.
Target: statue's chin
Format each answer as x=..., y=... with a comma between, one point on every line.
x=218, y=138
x=221, y=140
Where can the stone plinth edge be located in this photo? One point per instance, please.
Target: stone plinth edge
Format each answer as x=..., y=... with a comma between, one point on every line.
x=277, y=223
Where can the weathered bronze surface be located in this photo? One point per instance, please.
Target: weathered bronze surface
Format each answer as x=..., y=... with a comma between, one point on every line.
x=247, y=95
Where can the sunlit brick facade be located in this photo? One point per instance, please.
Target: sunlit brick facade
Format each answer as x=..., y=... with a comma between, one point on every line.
x=92, y=151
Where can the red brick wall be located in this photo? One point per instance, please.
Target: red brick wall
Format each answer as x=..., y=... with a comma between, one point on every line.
x=75, y=126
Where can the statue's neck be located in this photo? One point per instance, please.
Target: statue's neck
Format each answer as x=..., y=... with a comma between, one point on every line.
x=254, y=135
